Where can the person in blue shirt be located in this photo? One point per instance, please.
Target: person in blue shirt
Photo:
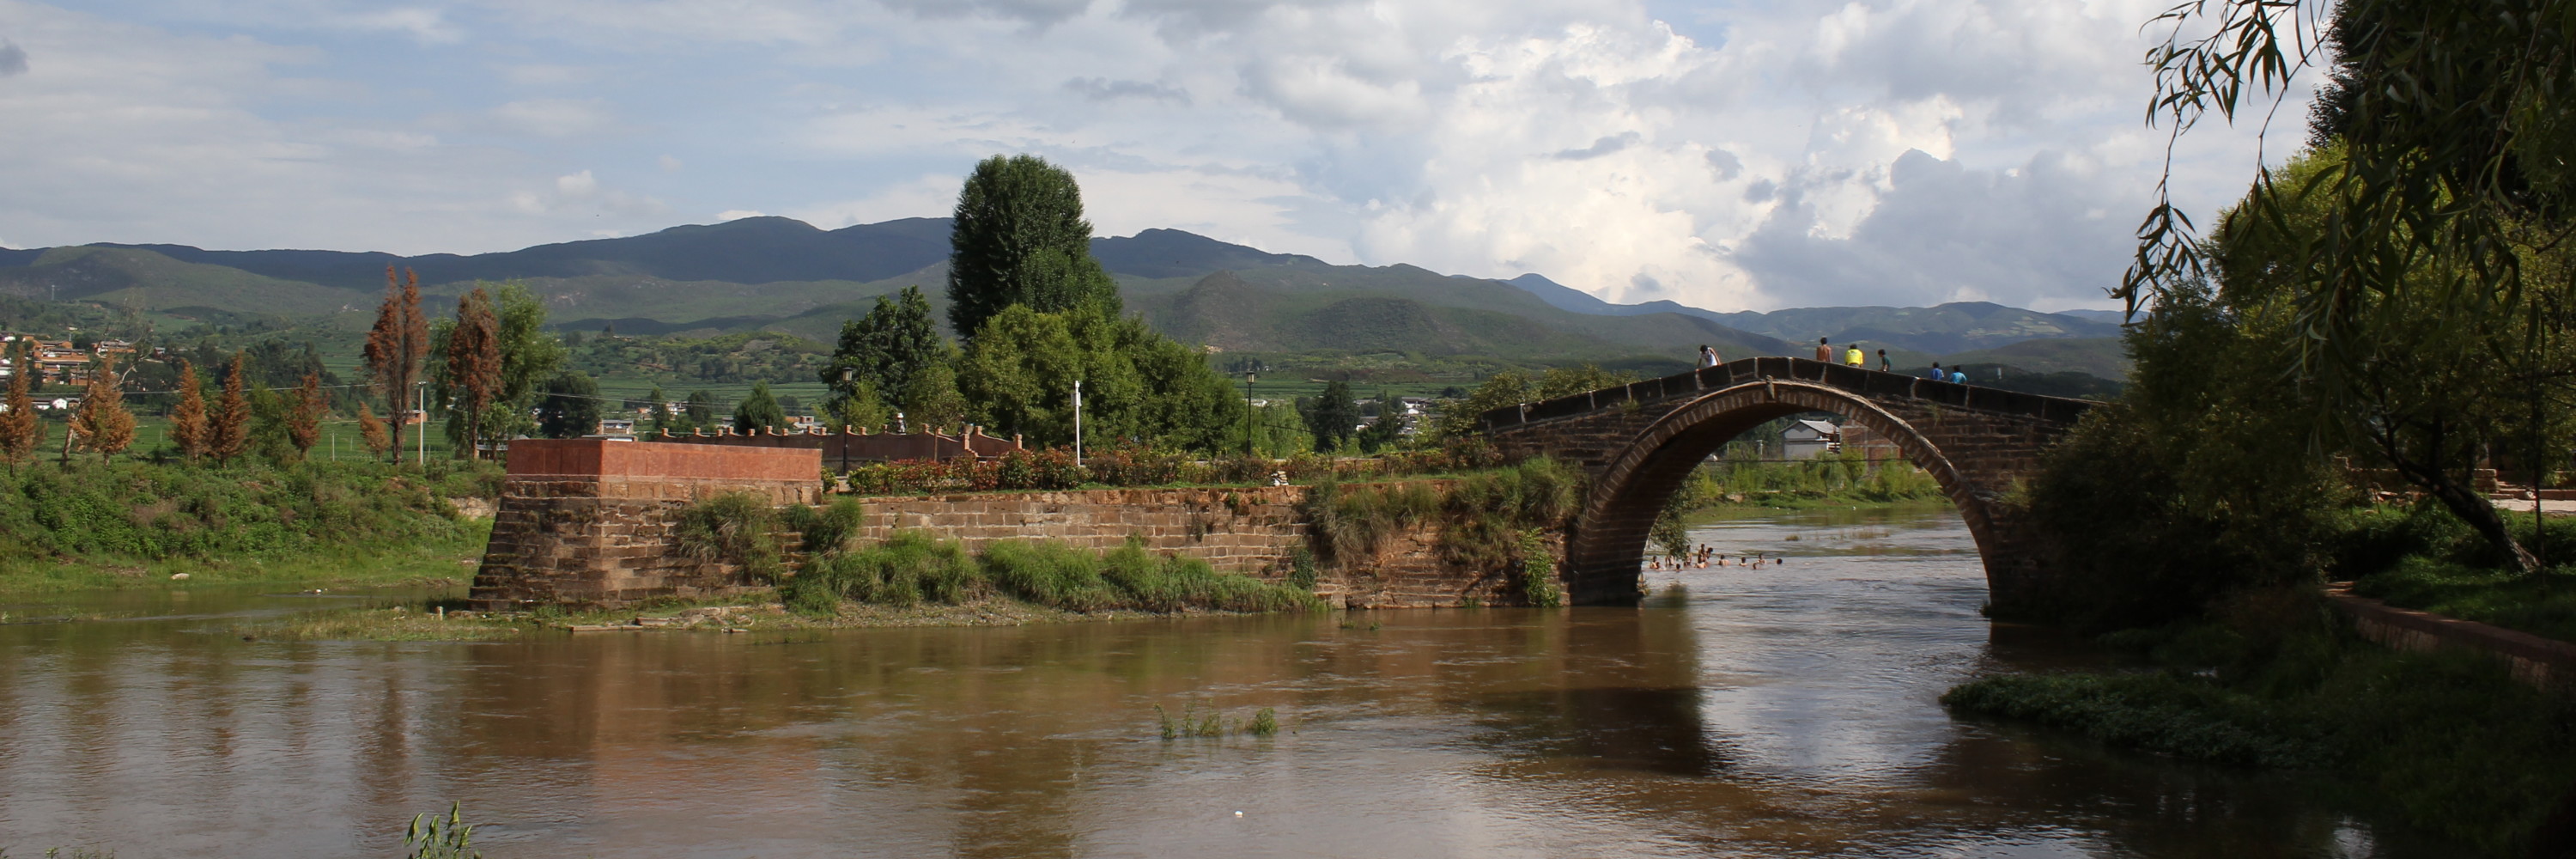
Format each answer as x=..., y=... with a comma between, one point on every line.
x=1957, y=377
x=1936, y=374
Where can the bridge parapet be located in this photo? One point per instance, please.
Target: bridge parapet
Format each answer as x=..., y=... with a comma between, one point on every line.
x=1856, y=380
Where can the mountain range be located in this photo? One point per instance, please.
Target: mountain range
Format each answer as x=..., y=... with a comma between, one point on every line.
x=785, y=275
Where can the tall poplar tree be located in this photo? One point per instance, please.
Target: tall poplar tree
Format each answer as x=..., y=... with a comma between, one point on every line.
x=102, y=424
x=20, y=432
x=1019, y=238
x=474, y=363
x=304, y=416
x=228, y=427
x=188, y=418
x=395, y=347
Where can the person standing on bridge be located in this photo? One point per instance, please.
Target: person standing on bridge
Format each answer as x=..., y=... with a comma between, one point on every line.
x=1883, y=366
x=1853, y=356
x=1708, y=356
x=1958, y=376
x=1824, y=351
x=1936, y=373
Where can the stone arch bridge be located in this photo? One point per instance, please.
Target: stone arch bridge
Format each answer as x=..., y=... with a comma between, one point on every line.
x=1639, y=441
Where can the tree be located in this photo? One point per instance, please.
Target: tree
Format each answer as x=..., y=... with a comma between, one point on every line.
x=474, y=363
x=758, y=410
x=660, y=403
x=1137, y=384
x=395, y=346
x=932, y=403
x=188, y=418
x=2428, y=387
x=1019, y=238
x=861, y=408
x=20, y=432
x=568, y=406
x=228, y=427
x=524, y=354
x=1387, y=428
x=304, y=416
x=102, y=424
x=886, y=349
x=702, y=409
x=372, y=431
x=1332, y=417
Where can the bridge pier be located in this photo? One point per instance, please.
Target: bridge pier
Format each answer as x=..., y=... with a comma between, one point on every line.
x=1638, y=442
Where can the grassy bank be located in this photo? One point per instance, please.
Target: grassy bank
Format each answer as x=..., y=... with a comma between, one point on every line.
x=2423, y=558
x=2447, y=742
x=135, y=523
x=1843, y=480
x=755, y=611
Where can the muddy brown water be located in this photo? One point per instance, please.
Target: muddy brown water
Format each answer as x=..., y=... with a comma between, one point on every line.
x=1784, y=711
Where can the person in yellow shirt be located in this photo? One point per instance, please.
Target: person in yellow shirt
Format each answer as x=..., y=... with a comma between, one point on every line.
x=1854, y=357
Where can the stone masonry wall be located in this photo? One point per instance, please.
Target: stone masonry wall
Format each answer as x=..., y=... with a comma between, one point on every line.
x=1251, y=531
x=606, y=539
x=589, y=523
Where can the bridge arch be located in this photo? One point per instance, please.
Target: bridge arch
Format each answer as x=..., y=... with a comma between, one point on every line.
x=1627, y=492
x=1638, y=441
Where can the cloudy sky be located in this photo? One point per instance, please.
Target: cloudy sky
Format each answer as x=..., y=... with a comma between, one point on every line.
x=1729, y=155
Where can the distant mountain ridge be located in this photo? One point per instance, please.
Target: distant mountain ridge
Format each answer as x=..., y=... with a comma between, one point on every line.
x=788, y=275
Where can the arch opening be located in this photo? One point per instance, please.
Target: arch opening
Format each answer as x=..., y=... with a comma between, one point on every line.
x=1605, y=553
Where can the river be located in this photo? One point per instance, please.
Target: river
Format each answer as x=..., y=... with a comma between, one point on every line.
x=1783, y=711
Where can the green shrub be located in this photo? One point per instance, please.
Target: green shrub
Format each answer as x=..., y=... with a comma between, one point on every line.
x=732, y=528
x=1050, y=574
x=829, y=528
x=1538, y=572
x=1173, y=583
x=2448, y=739
x=1349, y=522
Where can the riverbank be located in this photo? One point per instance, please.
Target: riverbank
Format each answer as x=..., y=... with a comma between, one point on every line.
x=756, y=612
x=137, y=523
x=2447, y=741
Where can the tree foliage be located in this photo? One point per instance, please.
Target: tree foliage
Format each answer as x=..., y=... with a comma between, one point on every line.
x=473, y=366
x=758, y=411
x=228, y=426
x=1018, y=374
x=395, y=346
x=20, y=432
x=188, y=418
x=102, y=424
x=568, y=406
x=2454, y=126
x=1332, y=417
x=1019, y=239
x=885, y=351
x=304, y=415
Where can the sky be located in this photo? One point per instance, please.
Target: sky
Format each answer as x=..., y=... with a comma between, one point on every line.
x=1726, y=155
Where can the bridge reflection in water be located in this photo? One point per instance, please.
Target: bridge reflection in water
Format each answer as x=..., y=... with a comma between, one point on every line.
x=1758, y=713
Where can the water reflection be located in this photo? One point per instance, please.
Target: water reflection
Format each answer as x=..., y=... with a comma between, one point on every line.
x=1782, y=711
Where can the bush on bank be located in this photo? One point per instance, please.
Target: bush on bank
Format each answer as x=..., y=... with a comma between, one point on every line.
x=2447, y=741
x=1130, y=465
x=910, y=567
x=130, y=510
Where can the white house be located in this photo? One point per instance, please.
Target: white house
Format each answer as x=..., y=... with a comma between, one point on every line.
x=1809, y=439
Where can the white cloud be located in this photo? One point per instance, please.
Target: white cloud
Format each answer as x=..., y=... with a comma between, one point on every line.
x=739, y=214
x=554, y=117
x=1762, y=154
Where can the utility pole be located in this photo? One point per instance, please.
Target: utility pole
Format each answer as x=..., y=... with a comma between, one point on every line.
x=1077, y=423
x=1248, y=378
x=420, y=436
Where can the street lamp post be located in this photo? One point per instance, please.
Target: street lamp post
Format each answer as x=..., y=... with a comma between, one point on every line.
x=1249, y=377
